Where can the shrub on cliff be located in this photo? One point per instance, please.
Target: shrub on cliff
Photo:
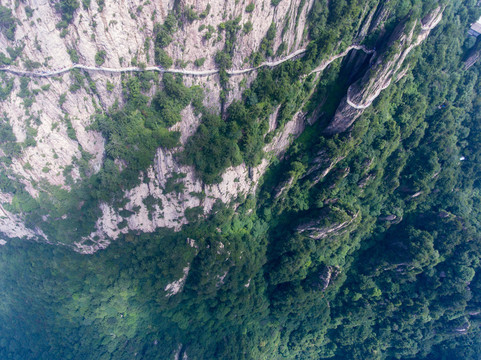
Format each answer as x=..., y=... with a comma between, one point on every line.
x=7, y=23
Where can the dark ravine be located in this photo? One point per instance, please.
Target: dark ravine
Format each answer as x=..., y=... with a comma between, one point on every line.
x=473, y=55
x=384, y=67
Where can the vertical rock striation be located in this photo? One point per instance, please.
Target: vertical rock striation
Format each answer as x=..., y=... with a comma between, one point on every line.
x=361, y=94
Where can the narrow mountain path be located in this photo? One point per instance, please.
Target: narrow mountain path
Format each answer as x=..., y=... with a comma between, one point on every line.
x=424, y=29
x=299, y=52
x=327, y=62
x=357, y=106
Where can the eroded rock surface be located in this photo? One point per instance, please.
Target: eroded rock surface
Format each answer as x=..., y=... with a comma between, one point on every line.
x=361, y=94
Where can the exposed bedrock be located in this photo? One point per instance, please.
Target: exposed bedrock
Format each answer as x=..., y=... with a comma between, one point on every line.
x=384, y=68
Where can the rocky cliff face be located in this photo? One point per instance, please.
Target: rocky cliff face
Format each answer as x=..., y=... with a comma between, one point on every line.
x=124, y=31
x=385, y=67
x=52, y=121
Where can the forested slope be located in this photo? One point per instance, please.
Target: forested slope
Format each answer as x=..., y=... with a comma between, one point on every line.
x=356, y=244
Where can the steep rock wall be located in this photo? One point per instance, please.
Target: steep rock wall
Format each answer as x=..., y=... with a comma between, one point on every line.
x=363, y=92
x=61, y=118
x=122, y=29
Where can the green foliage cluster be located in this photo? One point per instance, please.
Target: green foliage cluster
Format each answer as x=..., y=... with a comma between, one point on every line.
x=8, y=141
x=223, y=58
x=266, y=46
x=8, y=23
x=31, y=133
x=77, y=79
x=28, y=11
x=135, y=132
x=25, y=93
x=163, y=59
x=247, y=27
x=210, y=31
x=190, y=14
x=163, y=37
x=150, y=202
x=199, y=62
x=73, y=55
x=30, y=64
x=62, y=99
x=66, y=8
x=14, y=53
x=100, y=57
x=213, y=148
x=101, y=4
x=173, y=185
x=70, y=130
x=6, y=86
x=206, y=12
x=109, y=86
x=220, y=143
x=4, y=60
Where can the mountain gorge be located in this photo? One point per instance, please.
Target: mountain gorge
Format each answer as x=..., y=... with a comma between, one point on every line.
x=239, y=180
x=82, y=100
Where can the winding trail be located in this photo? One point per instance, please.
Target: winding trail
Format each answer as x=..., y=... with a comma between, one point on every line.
x=370, y=99
x=299, y=52
x=327, y=62
x=425, y=30
x=357, y=106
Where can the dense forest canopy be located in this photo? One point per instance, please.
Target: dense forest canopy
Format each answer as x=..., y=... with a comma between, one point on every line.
x=376, y=258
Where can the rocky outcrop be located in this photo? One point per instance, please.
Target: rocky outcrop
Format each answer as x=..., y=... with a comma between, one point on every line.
x=473, y=55
x=124, y=31
x=326, y=276
x=388, y=218
x=60, y=118
x=361, y=94
x=463, y=329
x=365, y=180
x=177, y=286
x=315, y=230
x=12, y=226
x=235, y=181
